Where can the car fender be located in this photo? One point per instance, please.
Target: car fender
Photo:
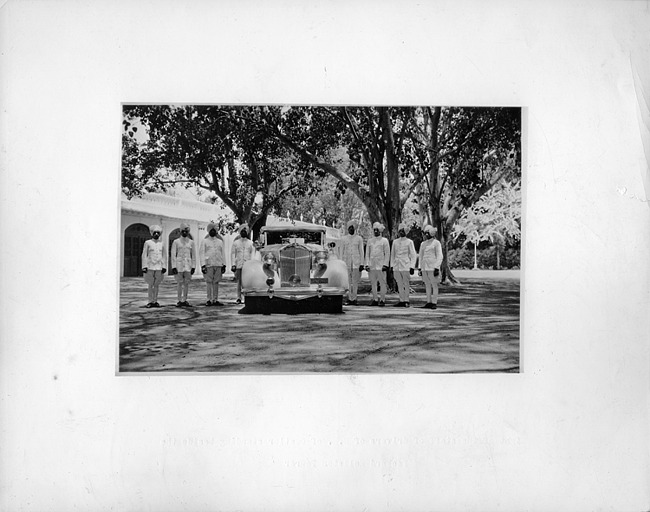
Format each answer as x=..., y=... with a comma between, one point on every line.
x=253, y=276
x=337, y=274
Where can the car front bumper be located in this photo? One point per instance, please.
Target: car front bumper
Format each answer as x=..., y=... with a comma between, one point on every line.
x=295, y=292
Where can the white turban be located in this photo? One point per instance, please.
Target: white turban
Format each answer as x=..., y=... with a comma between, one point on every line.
x=352, y=223
x=429, y=229
x=242, y=227
x=401, y=226
x=155, y=227
x=378, y=225
x=184, y=226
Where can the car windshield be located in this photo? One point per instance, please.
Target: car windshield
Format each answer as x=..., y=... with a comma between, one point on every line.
x=285, y=237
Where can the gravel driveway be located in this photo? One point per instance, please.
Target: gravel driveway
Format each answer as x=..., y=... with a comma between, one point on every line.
x=475, y=329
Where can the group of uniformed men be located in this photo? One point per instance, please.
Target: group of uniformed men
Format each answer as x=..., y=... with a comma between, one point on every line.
x=377, y=258
x=401, y=257
x=183, y=262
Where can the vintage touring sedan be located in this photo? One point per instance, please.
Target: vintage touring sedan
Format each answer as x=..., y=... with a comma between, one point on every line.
x=296, y=273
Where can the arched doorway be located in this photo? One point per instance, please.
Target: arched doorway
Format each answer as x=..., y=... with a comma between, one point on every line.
x=134, y=238
x=173, y=236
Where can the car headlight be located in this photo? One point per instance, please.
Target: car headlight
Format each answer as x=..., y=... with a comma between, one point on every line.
x=269, y=259
x=321, y=257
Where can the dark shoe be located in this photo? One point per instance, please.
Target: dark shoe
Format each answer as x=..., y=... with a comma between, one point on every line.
x=407, y=304
x=426, y=306
x=374, y=303
x=179, y=304
x=216, y=303
x=186, y=304
x=150, y=305
x=353, y=303
x=156, y=305
x=238, y=301
x=209, y=303
x=434, y=306
x=381, y=303
x=400, y=305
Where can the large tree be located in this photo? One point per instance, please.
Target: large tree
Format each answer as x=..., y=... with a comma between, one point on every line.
x=447, y=157
x=462, y=153
x=216, y=148
x=362, y=147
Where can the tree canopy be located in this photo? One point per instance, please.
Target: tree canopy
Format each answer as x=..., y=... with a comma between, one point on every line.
x=495, y=217
x=216, y=148
x=257, y=158
x=448, y=157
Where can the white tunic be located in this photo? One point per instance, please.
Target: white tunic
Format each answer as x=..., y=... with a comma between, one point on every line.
x=242, y=250
x=377, y=253
x=430, y=254
x=183, y=254
x=403, y=255
x=211, y=252
x=153, y=255
x=351, y=250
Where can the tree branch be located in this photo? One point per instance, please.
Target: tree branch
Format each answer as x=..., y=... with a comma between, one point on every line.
x=368, y=200
x=279, y=195
x=328, y=168
x=357, y=137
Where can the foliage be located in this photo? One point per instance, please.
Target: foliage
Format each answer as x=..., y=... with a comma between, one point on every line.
x=447, y=157
x=461, y=153
x=216, y=148
x=495, y=217
x=463, y=258
x=329, y=206
x=437, y=160
x=361, y=147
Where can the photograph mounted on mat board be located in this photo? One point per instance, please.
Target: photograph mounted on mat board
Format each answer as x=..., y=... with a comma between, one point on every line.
x=301, y=239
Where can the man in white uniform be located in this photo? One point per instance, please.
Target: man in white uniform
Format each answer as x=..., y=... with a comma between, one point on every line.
x=402, y=260
x=242, y=250
x=377, y=261
x=183, y=264
x=213, y=264
x=430, y=260
x=351, y=252
x=154, y=264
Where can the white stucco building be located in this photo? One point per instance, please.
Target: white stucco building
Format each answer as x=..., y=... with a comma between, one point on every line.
x=168, y=212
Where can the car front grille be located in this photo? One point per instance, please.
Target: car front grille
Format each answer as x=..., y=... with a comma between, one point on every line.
x=295, y=263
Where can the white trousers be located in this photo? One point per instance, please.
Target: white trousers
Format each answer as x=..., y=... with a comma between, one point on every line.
x=431, y=285
x=354, y=275
x=403, y=284
x=183, y=284
x=212, y=277
x=153, y=278
x=378, y=277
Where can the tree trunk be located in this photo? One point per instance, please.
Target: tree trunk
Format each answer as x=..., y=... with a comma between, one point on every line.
x=446, y=275
x=393, y=204
x=257, y=226
x=498, y=258
x=475, y=263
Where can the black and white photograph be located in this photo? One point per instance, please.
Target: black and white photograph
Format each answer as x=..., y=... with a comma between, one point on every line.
x=405, y=221
x=296, y=255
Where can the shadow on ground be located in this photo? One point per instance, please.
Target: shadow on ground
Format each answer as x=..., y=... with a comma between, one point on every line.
x=475, y=329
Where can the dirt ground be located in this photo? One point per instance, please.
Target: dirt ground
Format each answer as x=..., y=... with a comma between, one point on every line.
x=475, y=329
